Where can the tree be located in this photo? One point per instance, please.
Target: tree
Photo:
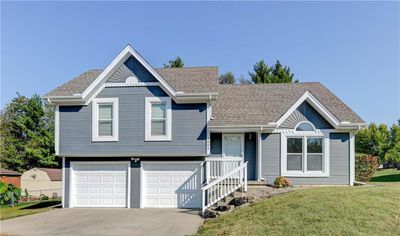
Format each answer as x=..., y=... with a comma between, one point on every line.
x=176, y=63
x=243, y=80
x=379, y=141
x=271, y=74
x=27, y=134
x=393, y=154
x=227, y=78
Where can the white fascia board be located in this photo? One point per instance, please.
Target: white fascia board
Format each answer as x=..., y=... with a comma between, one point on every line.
x=138, y=155
x=241, y=128
x=114, y=65
x=323, y=111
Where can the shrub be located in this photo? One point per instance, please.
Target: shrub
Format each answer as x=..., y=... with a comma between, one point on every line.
x=281, y=182
x=366, y=165
x=9, y=194
x=43, y=197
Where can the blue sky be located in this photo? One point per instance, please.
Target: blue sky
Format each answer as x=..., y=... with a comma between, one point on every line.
x=352, y=48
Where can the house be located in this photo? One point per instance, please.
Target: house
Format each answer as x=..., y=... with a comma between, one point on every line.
x=10, y=177
x=135, y=136
x=42, y=181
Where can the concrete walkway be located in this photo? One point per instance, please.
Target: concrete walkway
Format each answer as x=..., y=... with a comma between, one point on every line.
x=110, y=222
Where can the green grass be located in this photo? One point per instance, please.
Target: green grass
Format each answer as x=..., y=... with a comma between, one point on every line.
x=386, y=175
x=27, y=208
x=368, y=210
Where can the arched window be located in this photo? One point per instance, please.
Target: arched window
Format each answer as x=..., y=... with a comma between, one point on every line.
x=305, y=126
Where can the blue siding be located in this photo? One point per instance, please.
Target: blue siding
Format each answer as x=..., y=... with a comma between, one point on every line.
x=135, y=184
x=188, y=127
x=131, y=67
x=216, y=144
x=250, y=152
x=339, y=161
x=305, y=112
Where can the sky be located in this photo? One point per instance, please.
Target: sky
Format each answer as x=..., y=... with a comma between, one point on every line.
x=350, y=47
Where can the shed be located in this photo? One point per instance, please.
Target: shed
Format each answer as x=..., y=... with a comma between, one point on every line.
x=10, y=177
x=42, y=181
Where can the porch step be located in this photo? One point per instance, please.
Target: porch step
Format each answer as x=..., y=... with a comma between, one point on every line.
x=256, y=183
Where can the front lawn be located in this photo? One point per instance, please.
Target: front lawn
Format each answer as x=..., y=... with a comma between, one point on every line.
x=367, y=210
x=26, y=208
x=387, y=176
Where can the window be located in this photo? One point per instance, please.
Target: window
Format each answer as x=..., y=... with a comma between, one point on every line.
x=305, y=152
x=158, y=119
x=294, y=154
x=314, y=154
x=105, y=119
x=305, y=126
x=233, y=145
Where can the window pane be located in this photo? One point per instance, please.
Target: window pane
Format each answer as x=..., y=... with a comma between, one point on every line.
x=314, y=145
x=105, y=128
x=233, y=146
x=305, y=127
x=157, y=127
x=294, y=162
x=314, y=162
x=158, y=110
x=294, y=145
x=105, y=111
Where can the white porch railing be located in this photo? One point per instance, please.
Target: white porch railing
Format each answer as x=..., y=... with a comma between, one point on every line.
x=216, y=167
x=223, y=186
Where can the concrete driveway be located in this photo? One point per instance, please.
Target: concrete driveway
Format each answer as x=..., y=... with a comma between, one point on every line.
x=108, y=222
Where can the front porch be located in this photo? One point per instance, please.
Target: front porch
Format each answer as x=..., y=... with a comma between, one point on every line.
x=233, y=161
x=228, y=150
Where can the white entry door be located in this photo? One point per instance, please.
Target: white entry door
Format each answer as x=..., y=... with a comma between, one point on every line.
x=99, y=184
x=171, y=184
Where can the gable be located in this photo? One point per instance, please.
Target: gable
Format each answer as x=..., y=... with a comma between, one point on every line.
x=305, y=112
x=131, y=68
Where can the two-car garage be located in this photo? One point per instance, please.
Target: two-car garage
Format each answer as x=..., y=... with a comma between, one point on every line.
x=175, y=184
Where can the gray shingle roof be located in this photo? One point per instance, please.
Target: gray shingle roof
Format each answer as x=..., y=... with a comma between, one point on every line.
x=191, y=79
x=188, y=80
x=253, y=104
x=260, y=104
x=77, y=85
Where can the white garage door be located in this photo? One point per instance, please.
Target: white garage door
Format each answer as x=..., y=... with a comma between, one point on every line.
x=171, y=184
x=99, y=184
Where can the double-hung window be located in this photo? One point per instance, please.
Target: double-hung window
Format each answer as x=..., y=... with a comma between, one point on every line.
x=105, y=119
x=305, y=152
x=158, y=117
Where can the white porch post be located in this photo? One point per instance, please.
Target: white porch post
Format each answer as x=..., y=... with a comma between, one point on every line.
x=259, y=155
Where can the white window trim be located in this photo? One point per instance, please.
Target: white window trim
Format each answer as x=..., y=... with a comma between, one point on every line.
x=304, y=135
x=242, y=144
x=168, y=123
x=304, y=122
x=95, y=123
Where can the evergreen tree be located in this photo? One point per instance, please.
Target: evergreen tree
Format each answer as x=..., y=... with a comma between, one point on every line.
x=271, y=74
x=176, y=63
x=27, y=134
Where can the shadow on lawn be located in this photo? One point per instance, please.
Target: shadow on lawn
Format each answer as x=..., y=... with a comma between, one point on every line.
x=387, y=178
x=42, y=205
